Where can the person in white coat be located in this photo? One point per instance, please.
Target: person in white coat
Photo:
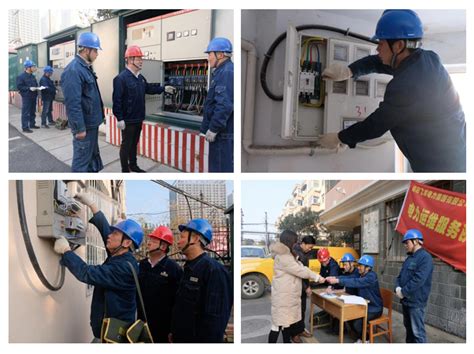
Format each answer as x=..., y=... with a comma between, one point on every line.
x=286, y=288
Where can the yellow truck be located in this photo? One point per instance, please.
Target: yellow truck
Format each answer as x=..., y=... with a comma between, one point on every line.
x=256, y=273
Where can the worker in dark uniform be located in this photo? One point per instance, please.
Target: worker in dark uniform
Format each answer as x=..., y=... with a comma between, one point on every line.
x=84, y=106
x=367, y=286
x=329, y=267
x=47, y=97
x=218, y=119
x=349, y=270
x=421, y=107
x=27, y=87
x=130, y=87
x=301, y=250
x=114, y=286
x=159, y=278
x=413, y=286
x=205, y=296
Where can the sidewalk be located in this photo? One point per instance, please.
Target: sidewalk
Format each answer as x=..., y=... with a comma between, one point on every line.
x=58, y=143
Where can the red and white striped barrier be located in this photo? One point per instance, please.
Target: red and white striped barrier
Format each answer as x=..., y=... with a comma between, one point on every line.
x=179, y=148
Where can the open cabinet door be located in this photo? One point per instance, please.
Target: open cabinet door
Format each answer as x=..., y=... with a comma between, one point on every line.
x=290, y=99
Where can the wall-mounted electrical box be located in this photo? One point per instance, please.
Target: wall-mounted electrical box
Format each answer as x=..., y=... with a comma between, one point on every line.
x=312, y=106
x=58, y=213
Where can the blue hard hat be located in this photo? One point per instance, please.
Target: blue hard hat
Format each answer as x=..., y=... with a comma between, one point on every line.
x=366, y=261
x=131, y=229
x=412, y=234
x=347, y=257
x=399, y=24
x=89, y=40
x=201, y=226
x=28, y=63
x=219, y=44
x=48, y=69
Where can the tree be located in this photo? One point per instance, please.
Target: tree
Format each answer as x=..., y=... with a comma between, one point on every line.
x=304, y=222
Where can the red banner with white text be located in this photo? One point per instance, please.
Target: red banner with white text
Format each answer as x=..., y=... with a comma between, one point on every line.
x=441, y=216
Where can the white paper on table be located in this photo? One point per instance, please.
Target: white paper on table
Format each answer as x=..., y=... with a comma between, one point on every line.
x=328, y=296
x=352, y=299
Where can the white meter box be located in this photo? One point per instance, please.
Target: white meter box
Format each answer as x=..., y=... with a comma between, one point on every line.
x=312, y=106
x=147, y=35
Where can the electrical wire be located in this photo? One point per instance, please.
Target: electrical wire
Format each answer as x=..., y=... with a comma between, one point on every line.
x=281, y=37
x=29, y=247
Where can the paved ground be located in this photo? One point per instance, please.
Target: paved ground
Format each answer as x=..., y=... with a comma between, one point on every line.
x=256, y=323
x=50, y=150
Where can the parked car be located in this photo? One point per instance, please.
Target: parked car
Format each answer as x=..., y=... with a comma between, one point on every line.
x=256, y=273
x=253, y=252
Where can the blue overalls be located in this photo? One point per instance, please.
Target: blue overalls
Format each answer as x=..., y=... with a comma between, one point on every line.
x=219, y=118
x=415, y=281
x=85, y=112
x=28, y=99
x=203, y=303
x=47, y=96
x=114, y=287
x=421, y=109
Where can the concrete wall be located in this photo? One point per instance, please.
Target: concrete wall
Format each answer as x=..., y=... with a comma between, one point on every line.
x=342, y=190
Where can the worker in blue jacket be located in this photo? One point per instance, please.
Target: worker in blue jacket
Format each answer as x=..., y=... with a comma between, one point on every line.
x=413, y=286
x=114, y=286
x=421, y=107
x=84, y=106
x=47, y=96
x=27, y=86
x=218, y=120
x=130, y=87
x=205, y=296
x=349, y=270
x=367, y=286
x=329, y=267
x=159, y=279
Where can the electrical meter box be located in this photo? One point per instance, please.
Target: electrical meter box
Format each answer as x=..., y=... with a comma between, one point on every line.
x=147, y=35
x=312, y=106
x=58, y=213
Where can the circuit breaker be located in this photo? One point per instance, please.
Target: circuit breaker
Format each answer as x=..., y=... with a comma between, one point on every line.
x=58, y=213
x=312, y=106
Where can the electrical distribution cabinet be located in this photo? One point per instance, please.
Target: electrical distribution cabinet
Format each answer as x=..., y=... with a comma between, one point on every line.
x=312, y=106
x=58, y=213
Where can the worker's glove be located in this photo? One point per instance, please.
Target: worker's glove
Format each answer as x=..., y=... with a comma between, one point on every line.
x=330, y=141
x=33, y=88
x=61, y=245
x=210, y=136
x=41, y=88
x=337, y=72
x=85, y=198
x=398, y=291
x=170, y=89
x=121, y=124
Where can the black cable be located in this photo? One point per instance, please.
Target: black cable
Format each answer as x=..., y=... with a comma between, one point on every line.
x=281, y=37
x=28, y=244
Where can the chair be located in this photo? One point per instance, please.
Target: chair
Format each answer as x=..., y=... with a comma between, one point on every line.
x=376, y=327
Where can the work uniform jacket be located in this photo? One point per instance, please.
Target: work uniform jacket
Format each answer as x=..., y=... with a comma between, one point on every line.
x=84, y=106
x=354, y=274
x=159, y=285
x=415, y=278
x=286, y=285
x=367, y=287
x=331, y=270
x=420, y=108
x=23, y=83
x=129, y=96
x=203, y=302
x=219, y=117
x=49, y=93
x=114, y=286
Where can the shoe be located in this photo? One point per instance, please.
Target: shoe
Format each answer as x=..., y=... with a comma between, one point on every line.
x=27, y=131
x=34, y=127
x=296, y=339
x=305, y=333
x=136, y=169
x=51, y=123
x=44, y=126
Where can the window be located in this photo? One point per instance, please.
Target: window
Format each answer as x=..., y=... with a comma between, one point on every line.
x=315, y=200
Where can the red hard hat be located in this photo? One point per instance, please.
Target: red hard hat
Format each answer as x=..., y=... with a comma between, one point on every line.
x=133, y=51
x=162, y=233
x=323, y=255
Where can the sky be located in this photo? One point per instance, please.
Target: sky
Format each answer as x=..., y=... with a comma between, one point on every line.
x=259, y=197
x=145, y=197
